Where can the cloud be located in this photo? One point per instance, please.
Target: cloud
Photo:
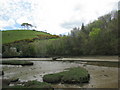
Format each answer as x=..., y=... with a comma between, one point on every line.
x=55, y=16
x=4, y=23
x=118, y=5
x=11, y=11
x=69, y=25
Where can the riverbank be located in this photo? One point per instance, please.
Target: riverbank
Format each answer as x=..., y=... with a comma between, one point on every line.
x=82, y=58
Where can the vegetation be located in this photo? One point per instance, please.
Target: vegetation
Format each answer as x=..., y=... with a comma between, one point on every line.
x=26, y=25
x=72, y=75
x=37, y=84
x=99, y=37
x=32, y=84
x=16, y=62
x=106, y=64
x=24, y=35
x=53, y=78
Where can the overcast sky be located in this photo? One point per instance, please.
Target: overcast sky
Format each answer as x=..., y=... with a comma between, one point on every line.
x=54, y=16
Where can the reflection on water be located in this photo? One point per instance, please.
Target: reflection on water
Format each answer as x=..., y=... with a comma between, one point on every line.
x=100, y=76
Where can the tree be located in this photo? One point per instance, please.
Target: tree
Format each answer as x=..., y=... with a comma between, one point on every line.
x=26, y=25
x=94, y=33
x=74, y=31
x=30, y=25
x=82, y=27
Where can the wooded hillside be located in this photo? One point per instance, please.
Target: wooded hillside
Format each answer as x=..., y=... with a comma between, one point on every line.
x=97, y=38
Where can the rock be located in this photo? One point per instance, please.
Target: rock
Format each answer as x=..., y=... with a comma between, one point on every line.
x=14, y=80
x=54, y=58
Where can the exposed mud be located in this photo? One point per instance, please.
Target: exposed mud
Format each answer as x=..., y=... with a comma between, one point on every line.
x=101, y=77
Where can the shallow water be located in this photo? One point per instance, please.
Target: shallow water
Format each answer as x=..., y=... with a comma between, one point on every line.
x=101, y=77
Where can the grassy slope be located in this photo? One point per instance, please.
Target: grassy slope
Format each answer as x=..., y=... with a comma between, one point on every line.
x=16, y=35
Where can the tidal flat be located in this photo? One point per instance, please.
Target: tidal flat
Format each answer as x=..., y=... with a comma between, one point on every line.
x=100, y=76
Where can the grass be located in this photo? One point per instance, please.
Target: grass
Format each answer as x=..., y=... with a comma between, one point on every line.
x=16, y=62
x=72, y=75
x=16, y=35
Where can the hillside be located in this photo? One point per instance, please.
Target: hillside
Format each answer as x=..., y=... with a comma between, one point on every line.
x=99, y=37
x=28, y=35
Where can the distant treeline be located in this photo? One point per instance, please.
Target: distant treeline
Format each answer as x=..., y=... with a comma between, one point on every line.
x=97, y=38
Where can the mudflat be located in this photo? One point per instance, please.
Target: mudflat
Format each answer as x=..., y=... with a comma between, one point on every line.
x=101, y=76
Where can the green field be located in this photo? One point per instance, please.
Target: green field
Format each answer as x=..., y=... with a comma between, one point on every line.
x=16, y=35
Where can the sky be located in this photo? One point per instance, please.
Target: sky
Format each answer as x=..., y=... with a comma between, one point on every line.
x=53, y=16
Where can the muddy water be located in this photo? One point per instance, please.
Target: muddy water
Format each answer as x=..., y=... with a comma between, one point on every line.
x=101, y=77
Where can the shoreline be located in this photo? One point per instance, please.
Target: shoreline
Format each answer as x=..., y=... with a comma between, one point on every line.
x=66, y=59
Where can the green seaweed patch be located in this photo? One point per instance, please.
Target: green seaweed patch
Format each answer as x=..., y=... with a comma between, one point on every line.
x=16, y=86
x=104, y=63
x=33, y=84
x=37, y=84
x=72, y=75
x=52, y=78
x=17, y=62
x=76, y=75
